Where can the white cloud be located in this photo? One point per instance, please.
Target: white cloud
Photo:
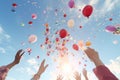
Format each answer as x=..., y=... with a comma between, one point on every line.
x=109, y=4
x=92, y=2
x=10, y=78
x=2, y=50
x=32, y=61
x=30, y=71
x=1, y=30
x=3, y=35
x=114, y=66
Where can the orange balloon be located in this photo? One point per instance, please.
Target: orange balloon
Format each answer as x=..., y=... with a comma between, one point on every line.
x=88, y=43
x=46, y=25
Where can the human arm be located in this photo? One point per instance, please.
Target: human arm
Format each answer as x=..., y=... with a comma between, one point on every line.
x=93, y=56
x=41, y=70
x=16, y=60
x=101, y=71
x=59, y=77
x=77, y=76
x=85, y=73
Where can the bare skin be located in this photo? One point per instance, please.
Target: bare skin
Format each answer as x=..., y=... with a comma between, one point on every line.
x=59, y=77
x=41, y=70
x=17, y=59
x=85, y=73
x=77, y=76
x=93, y=56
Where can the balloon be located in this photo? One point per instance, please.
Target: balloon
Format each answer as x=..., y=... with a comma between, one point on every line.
x=75, y=47
x=34, y=16
x=14, y=5
x=46, y=25
x=81, y=44
x=30, y=22
x=57, y=39
x=38, y=57
x=29, y=50
x=80, y=26
x=71, y=4
x=87, y=10
x=32, y=38
x=110, y=28
x=88, y=43
x=64, y=15
x=70, y=23
x=63, y=33
x=115, y=42
x=13, y=10
x=110, y=19
x=22, y=24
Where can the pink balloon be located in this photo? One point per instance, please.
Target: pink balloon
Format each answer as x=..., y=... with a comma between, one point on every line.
x=34, y=16
x=71, y=4
x=110, y=28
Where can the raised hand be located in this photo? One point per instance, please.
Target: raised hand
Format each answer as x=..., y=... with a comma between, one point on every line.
x=77, y=76
x=18, y=56
x=42, y=67
x=85, y=73
x=93, y=56
x=59, y=77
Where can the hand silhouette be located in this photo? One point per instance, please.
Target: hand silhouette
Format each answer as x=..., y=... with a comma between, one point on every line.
x=77, y=76
x=18, y=56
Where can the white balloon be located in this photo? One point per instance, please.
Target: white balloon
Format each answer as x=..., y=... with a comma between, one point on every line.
x=32, y=38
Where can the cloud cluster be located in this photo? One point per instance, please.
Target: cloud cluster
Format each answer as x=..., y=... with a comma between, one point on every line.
x=114, y=66
x=3, y=35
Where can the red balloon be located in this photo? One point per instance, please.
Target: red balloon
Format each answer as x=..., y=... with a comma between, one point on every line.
x=63, y=33
x=64, y=15
x=75, y=47
x=87, y=10
x=30, y=22
x=38, y=57
x=29, y=50
x=57, y=39
x=14, y=5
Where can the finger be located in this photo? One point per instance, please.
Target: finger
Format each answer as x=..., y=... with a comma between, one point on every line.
x=87, y=52
x=22, y=52
x=43, y=62
x=46, y=66
x=19, y=51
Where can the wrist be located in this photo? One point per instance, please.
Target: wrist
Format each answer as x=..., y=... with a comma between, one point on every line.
x=39, y=73
x=98, y=62
x=86, y=78
x=14, y=62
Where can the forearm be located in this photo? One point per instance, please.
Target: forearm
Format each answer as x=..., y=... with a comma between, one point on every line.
x=86, y=78
x=39, y=73
x=98, y=62
x=9, y=66
x=102, y=72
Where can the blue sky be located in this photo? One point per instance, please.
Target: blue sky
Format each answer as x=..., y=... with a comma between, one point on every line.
x=12, y=34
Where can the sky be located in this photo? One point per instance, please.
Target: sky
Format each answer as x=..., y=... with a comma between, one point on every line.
x=15, y=31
